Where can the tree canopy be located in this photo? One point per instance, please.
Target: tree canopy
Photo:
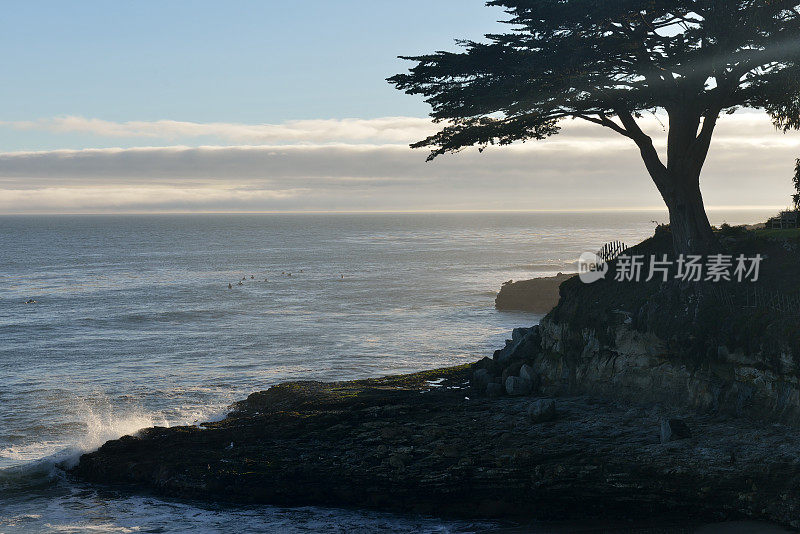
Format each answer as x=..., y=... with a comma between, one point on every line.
x=609, y=61
x=596, y=60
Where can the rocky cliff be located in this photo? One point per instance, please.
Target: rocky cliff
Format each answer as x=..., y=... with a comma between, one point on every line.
x=696, y=346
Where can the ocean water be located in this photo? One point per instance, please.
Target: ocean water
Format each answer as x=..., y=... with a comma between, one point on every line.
x=134, y=325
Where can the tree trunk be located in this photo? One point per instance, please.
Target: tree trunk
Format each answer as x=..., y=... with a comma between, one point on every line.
x=691, y=231
x=679, y=180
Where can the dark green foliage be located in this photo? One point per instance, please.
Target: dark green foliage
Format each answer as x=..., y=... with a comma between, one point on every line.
x=594, y=60
x=796, y=181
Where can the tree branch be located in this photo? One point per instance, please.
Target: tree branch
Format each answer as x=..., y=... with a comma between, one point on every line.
x=698, y=150
x=630, y=125
x=658, y=171
x=603, y=120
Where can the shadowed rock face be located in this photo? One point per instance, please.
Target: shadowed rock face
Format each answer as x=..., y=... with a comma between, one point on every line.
x=400, y=444
x=675, y=343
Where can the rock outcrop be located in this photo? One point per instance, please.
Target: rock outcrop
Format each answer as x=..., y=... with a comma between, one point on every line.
x=538, y=295
x=670, y=343
x=411, y=445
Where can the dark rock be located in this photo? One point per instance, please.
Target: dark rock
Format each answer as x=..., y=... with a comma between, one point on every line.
x=494, y=389
x=480, y=379
x=518, y=334
x=313, y=443
x=700, y=346
x=398, y=461
x=525, y=343
x=502, y=356
x=489, y=364
x=516, y=386
x=542, y=411
x=511, y=370
x=674, y=429
x=527, y=372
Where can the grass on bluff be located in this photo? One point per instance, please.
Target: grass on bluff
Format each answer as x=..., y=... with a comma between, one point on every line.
x=777, y=233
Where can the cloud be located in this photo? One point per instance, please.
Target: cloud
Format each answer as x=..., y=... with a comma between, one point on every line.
x=400, y=130
x=583, y=168
x=388, y=129
x=148, y=198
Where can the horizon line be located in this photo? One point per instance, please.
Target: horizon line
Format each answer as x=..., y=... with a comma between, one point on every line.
x=379, y=212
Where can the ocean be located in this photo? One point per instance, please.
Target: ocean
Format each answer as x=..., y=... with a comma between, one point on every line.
x=134, y=325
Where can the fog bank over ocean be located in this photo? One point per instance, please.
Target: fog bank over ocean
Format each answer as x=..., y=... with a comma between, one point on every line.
x=366, y=165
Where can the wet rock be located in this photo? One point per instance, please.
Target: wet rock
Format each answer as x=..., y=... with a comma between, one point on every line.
x=314, y=443
x=674, y=429
x=542, y=411
x=449, y=450
x=392, y=432
x=516, y=386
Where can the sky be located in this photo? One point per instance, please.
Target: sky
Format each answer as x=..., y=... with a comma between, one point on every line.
x=270, y=105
